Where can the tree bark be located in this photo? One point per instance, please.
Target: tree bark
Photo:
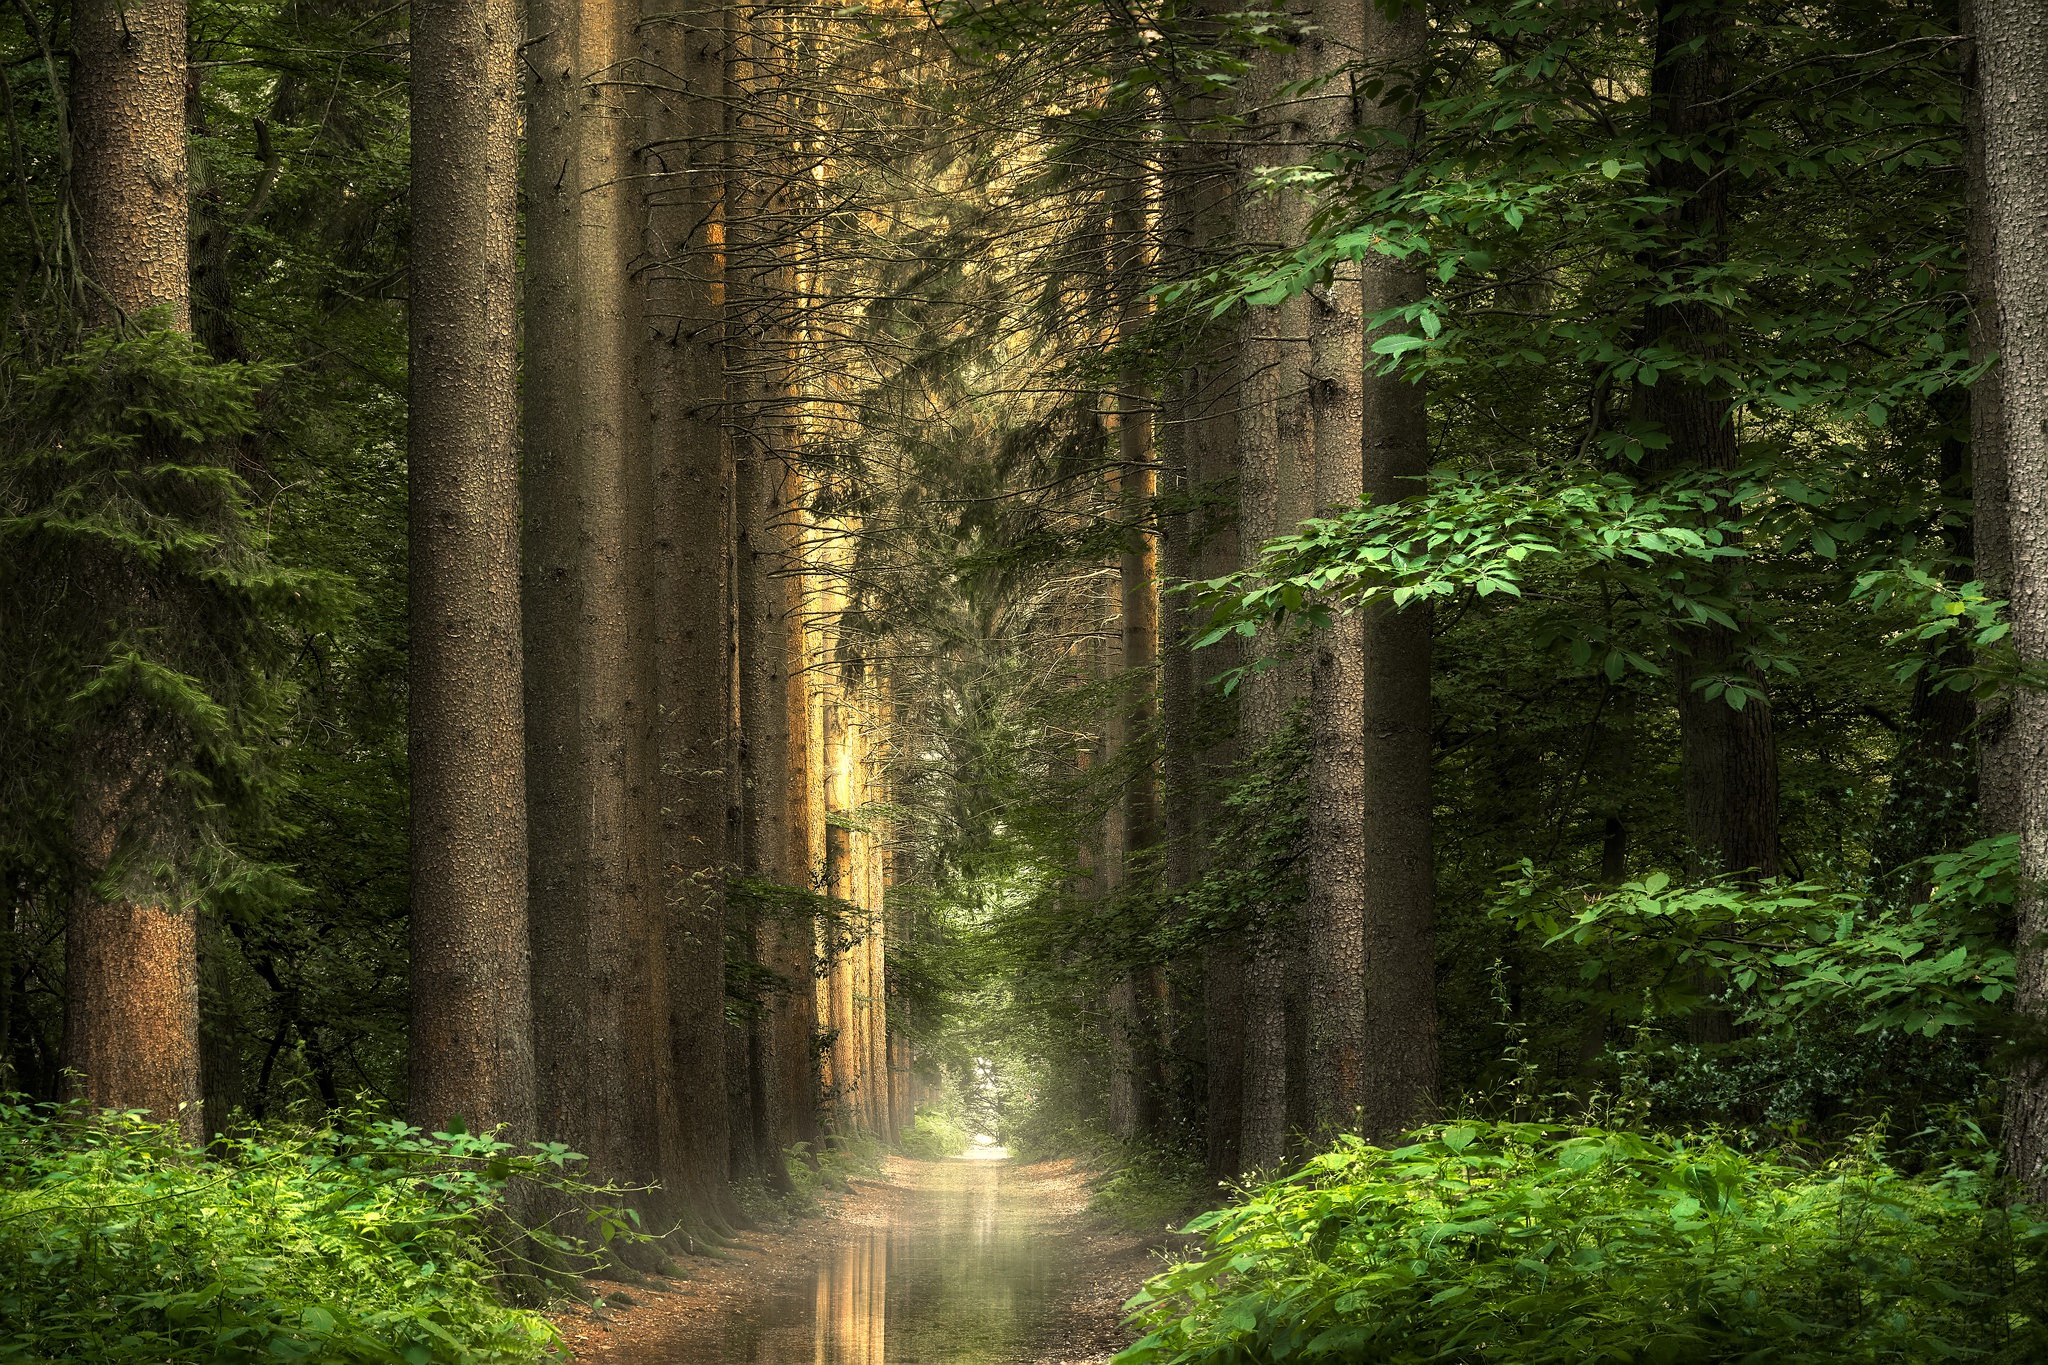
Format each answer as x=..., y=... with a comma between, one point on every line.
x=471, y=1038
x=129, y=169
x=1275, y=490
x=2012, y=85
x=1333, y=912
x=682, y=61
x=1397, y=869
x=604, y=1083
x=131, y=1011
x=1999, y=778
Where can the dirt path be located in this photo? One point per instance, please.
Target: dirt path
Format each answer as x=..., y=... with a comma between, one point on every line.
x=966, y=1262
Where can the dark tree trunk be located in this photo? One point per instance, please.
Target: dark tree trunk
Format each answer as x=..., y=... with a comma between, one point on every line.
x=684, y=379
x=1397, y=868
x=471, y=1036
x=1729, y=756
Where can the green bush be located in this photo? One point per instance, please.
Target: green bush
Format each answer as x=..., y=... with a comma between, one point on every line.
x=932, y=1136
x=120, y=1244
x=1529, y=1243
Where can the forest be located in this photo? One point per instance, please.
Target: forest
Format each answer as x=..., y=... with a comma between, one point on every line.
x=1422, y=623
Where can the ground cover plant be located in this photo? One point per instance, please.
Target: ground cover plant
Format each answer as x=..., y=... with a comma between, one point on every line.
x=372, y=1243
x=1481, y=1242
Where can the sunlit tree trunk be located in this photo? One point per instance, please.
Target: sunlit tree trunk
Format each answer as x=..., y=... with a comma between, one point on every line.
x=471, y=1039
x=2012, y=100
x=601, y=1005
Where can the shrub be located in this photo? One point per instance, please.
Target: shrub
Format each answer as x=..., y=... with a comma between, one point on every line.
x=366, y=1244
x=1527, y=1243
x=932, y=1136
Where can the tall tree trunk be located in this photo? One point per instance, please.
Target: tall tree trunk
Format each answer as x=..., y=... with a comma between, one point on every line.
x=604, y=1083
x=682, y=55
x=471, y=1037
x=1333, y=913
x=1196, y=541
x=1137, y=489
x=131, y=1005
x=2012, y=83
x=1729, y=755
x=1999, y=777
x=1275, y=486
x=1397, y=868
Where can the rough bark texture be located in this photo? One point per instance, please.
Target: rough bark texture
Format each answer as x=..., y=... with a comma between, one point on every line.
x=1999, y=777
x=2012, y=75
x=1275, y=487
x=1333, y=914
x=131, y=1012
x=1397, y=869
x=471, y=1030
x=682, y=55
x=603, y=1081
x=129, y=169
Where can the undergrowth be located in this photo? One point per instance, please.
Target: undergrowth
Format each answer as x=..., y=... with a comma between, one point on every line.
x=365, y=1243
x=1487, y=1243
x=933, y=1135
x=812, y=1173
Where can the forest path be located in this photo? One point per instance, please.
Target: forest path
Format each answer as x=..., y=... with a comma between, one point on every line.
x=971, y=1261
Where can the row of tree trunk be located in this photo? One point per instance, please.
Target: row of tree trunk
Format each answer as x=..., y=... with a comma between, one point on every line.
x=624, y=689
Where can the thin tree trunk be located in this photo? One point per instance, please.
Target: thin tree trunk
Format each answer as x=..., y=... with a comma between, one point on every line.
x=471, y=1036
x=2012, y=83
x=1397, y=868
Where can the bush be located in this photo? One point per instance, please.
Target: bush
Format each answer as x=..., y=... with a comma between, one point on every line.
x=118, y=1243
x=1528, y=1243
x=932, y=1136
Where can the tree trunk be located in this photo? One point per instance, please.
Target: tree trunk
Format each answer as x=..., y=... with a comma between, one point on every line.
x=131, y=1014
x=682, y=56
x=1999, y=777
x=1397, y=866
x=1275, y=488
x=1333, y=913
x=1728, y=755
x=604, y=1083
x=2012, y=83
x=129, y=168
x=471, y=1036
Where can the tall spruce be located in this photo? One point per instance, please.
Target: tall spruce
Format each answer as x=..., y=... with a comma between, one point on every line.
x=2012, y=102
x=471, y=1039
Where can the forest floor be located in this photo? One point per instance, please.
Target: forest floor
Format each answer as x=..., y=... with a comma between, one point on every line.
x=986, y=1261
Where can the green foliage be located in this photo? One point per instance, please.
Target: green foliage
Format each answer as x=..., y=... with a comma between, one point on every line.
x=933, y=1135
x=1495, y=1242
x=371, y=1243
x=1790, y=948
